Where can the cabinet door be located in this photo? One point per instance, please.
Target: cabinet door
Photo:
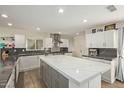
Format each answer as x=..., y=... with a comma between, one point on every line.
x=94, y=40
x=58, y=80
x=55, y=80
x=44, y=72
x=49, y=77
x=107, y=76
x=11, y=81
x=63, y=81
x=100, y=40
x=41, y=69
x=17, y=69
x=109, y=39
x=88, y=40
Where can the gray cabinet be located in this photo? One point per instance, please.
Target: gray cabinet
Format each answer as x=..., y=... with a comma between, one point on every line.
x=41, y=69
x=51, y=77
x=58, y=80
x=11, y=81
x=44, y=72
x=17, y=69
x=63, y=81
x=47, y=74
x=55, y=77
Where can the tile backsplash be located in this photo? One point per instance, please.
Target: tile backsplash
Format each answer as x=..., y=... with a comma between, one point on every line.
x=16, y=51
x=105, y=52
x=110, y=52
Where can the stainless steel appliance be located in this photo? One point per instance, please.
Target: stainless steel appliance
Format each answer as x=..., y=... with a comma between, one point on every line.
x=93, y=52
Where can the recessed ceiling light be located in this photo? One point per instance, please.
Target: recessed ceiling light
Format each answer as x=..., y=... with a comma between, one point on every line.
x=38, y=28
x=4, y=16
x=84, y=20
x=59, y=32
x=60, y=11
x=77, y=33
x=10, y=24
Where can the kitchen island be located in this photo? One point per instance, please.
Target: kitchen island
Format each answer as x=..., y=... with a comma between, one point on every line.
x=71, y=72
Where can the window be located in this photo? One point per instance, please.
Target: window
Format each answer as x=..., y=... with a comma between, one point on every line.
x=34, y=44
x=39, y=44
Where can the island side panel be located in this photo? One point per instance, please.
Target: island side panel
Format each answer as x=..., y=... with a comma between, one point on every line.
x=94, y=82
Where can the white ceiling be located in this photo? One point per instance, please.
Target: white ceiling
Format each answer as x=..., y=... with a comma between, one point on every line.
x=47, y=18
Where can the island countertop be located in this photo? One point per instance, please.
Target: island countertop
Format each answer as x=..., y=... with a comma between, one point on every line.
x=75, y=69
x=6, y=69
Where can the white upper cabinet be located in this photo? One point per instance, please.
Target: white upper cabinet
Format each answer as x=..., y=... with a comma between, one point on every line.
x=65, y=43
x=20, y=41
x=106, y=39
x=94, y=40
x=111, y=39
x=100, y=39
x=88, y=40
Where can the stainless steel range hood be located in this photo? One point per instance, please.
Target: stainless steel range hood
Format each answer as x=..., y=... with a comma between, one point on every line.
x=56, y=40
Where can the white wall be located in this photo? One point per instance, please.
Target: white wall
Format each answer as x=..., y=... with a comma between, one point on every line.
x=9, y=31
x=79, y=45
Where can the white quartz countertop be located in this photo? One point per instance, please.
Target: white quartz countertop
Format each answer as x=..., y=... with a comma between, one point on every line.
x=77, y=70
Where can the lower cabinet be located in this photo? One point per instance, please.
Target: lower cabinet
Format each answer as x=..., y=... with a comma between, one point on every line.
x=55, y=79
x=11, y=81
x=17, y=70
x=108, y=76
x=51, y=77
x=28, y=63
x=63, y=81
x=58, y=80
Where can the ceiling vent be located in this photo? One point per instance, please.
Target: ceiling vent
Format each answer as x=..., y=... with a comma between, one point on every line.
x=111, y=8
